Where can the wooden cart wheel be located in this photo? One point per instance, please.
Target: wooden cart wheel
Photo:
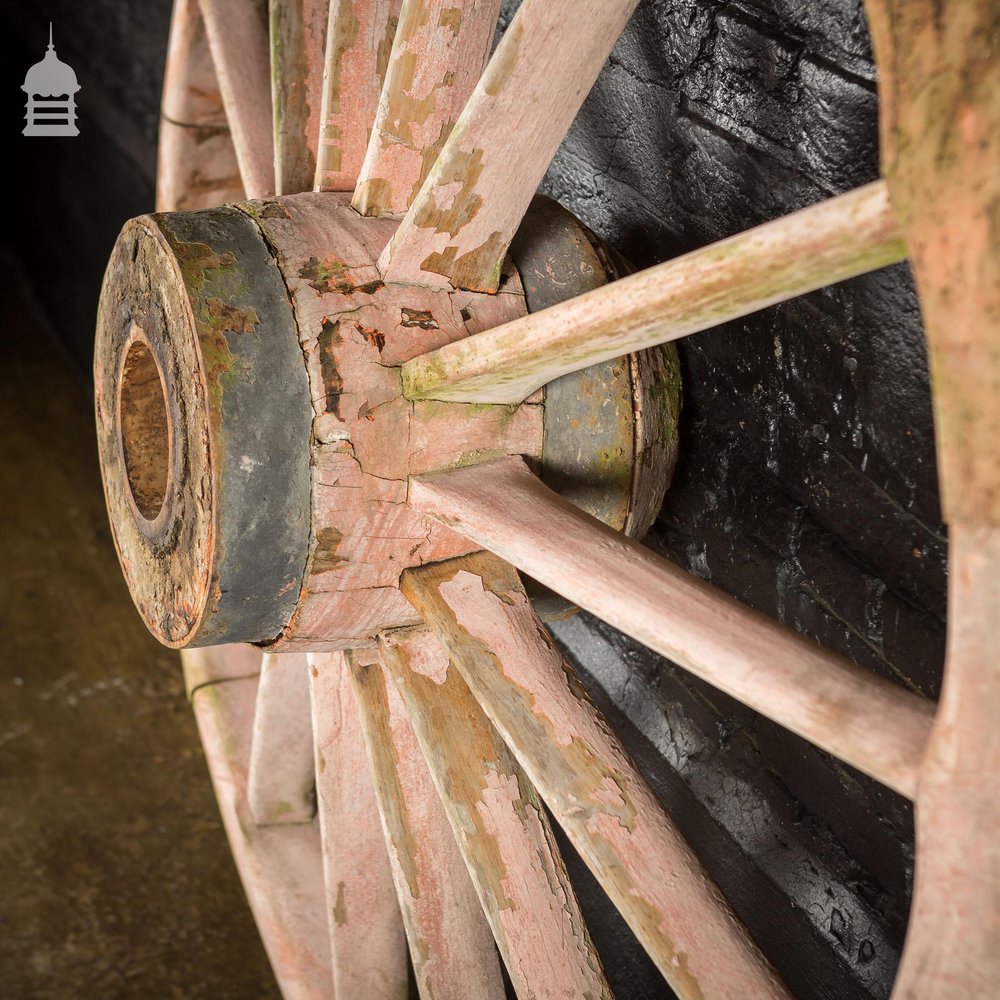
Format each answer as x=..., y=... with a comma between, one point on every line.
x=336, y=416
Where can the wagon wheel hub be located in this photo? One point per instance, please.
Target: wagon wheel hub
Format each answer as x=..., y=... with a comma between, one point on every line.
x=256, y=442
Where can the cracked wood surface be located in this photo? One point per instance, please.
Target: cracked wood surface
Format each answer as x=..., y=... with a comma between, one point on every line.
x=358, y=41
x=873, y=724
x=196, y=164
x=281, y=867
x=367, y=942
x=451, y=945
x=480, y=611
x=298, y=41
x=237, y=37
x=817, y=246
x=461, y=222
x=499, y=825
x=367, y=438
x=282, y=780
x=437, y=57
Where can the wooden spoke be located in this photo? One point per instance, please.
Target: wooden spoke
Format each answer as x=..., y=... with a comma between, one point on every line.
x=358, y=41
x=460, y=224
x=196, y=163
x=298, y=41
x=831, y=241
x=479, y=609
x=366, y=930
x=873, y=724
x=451, y=946
x=281, y=866
x=438, y=55
x=237, y=36
x=499, y=825
x=282, y=781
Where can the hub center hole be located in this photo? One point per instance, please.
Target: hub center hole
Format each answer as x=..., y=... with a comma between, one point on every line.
x=145, y=430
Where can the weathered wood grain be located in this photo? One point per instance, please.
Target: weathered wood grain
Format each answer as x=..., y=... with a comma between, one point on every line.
x=358, y=41
x=836, y=239
x=939, y=95
x=280, y=866
x=499, y=825
x=461, y=222
x=367, y=942
x=281, y=786
x=451, y=946
x=237, y=37
x=873, y=724
x=298, y=43
x=196, y=164
x=939, y=99
x=437, y=57
x=353, y=332
x=479, y=610
x=954, y=929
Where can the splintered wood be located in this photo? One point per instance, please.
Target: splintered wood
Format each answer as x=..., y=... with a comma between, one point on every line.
x=478, y=608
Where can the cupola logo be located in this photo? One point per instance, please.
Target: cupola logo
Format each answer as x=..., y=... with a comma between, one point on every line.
x=51, y=88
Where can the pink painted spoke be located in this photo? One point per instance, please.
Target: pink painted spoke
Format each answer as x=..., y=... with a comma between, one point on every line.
x=298, y=42
x=871, y=723
x=460, y=224
x=237, y=36
x=367, y=941
x=438, y=55
x=479, y=610
x=451, y=946
x=281, y=787
x=499, y=825
x=358, y=41
x=836, y=239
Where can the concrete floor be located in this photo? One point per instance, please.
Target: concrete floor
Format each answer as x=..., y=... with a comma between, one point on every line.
x=115, y=875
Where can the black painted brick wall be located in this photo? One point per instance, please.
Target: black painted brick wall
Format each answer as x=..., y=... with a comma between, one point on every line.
x=806, y=485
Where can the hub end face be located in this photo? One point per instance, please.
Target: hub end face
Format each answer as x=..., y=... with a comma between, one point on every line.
x=203, y=418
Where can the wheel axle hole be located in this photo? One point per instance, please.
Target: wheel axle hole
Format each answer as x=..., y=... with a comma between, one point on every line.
x=145, y=430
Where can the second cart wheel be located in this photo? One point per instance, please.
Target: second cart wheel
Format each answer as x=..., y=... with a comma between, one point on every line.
x=336, y=416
